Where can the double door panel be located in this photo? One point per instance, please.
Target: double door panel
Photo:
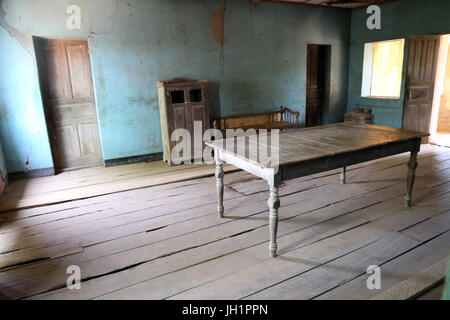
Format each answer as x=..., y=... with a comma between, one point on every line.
x=188, y=106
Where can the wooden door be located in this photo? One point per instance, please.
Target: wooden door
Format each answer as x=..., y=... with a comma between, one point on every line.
x=68, y=97
x=315, y=84
x=420, y=77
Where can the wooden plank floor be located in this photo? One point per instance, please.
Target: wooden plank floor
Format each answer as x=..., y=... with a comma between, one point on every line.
x=97, y=181
x=166, y=241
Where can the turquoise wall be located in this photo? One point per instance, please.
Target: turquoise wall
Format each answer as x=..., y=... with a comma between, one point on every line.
x=134, y=43
x=400, y=19
x=265, y=57
x=22, y=124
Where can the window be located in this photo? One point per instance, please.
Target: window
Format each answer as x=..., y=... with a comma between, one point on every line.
x=382, y=69
x=196, y=95
x=178, y=97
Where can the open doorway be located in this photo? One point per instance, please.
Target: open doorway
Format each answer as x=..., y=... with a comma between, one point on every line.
x=69, y=104
x=440, y=116
x=317, y=78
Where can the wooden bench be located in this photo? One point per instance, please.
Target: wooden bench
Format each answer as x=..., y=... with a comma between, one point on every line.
x=282, y=119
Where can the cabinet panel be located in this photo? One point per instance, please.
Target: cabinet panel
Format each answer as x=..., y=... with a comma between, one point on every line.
x=179, y=117
x=197, y=113
x=182, y=102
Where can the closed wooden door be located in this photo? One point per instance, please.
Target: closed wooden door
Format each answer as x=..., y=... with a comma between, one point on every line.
x=315, y=84
x=68, y=97
x=420, y=78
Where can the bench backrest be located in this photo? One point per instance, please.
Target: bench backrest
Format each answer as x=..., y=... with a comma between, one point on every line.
x=285, y=115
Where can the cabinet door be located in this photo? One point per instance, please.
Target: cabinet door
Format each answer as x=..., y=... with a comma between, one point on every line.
x=179, y=117
x=198, y=101
x=187, y=106
x=198, y=114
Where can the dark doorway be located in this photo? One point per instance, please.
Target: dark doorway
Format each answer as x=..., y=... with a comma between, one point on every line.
x=316, y=78
x=420, y=78
x=68, y=98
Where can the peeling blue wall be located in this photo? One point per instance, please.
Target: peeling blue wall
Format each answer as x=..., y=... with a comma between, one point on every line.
x=401, y=19
x=261, y=66
x=23, y=130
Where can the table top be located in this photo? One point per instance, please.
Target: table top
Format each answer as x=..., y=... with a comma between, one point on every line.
x=312, y=143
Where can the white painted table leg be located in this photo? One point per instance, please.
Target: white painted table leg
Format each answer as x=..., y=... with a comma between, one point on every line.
x=219, y=185
x=412, y=165
x=343, y=175
x=274, y=204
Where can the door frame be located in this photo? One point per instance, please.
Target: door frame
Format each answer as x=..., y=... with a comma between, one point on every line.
x=328, y=48
x=443, y=59
x=35, y=40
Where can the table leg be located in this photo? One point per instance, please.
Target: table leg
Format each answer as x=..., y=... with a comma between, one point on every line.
x=219, y=185
x=274, y=204
x=412, y=165
x=343, y=175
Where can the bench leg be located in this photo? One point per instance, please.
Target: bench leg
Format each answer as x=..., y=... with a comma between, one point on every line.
x=412, y=165
x=343, y=175
x=219, y=185
x=274, y=204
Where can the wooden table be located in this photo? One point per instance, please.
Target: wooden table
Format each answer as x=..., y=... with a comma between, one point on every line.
x=307, y=151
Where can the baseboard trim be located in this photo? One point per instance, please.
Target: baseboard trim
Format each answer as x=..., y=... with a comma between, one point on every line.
x=135, y=159
x=38, y=173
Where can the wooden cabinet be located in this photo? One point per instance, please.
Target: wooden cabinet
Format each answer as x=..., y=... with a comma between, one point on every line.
x=182, y=102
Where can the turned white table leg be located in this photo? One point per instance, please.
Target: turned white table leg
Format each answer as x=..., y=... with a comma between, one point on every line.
x=274, y=204
x=412, y=165
x=343, y=175
x=219, y=185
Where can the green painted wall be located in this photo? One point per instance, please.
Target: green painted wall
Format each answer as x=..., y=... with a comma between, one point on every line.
x=134, y=43
x=401, y=19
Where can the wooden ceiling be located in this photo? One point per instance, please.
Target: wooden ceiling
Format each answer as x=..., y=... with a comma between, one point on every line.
x=341, y=4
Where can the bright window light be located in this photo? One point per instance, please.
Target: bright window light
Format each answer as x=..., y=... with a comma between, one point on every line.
x=382, y=69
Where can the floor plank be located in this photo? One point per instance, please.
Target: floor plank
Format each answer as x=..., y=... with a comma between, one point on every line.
x=257, y=277
x=394, y=272
x=166, y=241
x=323, y=278
x=66, y=191
x=416, y=285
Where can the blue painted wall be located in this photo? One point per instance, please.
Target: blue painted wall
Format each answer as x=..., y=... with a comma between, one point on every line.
x=134, y=43
x=265, y=57
x=22, y=125
x=401, y=19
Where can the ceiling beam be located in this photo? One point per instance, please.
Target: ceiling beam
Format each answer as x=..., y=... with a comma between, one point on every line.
x=311, y=5
x=378, y=3
x=301, y=4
